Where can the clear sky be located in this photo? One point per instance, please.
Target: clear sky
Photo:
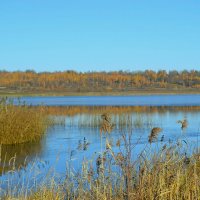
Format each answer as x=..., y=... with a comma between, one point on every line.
x=96, y=35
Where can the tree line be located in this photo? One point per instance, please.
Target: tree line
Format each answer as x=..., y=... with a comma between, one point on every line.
x=99, y=81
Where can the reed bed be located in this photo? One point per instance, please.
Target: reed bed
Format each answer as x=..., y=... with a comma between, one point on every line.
x=21, y=123
x=98, y=110
x=120, y=121
x=168, y=173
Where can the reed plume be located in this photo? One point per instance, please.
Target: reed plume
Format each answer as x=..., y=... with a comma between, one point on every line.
x=154, y=133
x=106, y=125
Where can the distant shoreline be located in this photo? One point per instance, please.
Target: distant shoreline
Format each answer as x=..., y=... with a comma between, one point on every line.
x=112, y=93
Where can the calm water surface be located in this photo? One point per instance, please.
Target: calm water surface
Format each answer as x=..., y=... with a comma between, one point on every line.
x=145, y=100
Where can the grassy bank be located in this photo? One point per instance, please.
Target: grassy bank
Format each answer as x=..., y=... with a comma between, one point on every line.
x=152, y=91
x=21, y=123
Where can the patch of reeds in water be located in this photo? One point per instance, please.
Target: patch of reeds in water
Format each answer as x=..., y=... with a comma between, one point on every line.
x=120, y=121
x=98, y=110
x=22, y=123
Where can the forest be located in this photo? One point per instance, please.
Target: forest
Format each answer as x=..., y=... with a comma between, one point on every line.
x=115, y=81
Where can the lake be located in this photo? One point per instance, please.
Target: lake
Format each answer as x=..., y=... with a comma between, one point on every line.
x=137, y=100
x=65, y=144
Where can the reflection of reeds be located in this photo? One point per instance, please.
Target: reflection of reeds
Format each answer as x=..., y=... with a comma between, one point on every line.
x=14, y=157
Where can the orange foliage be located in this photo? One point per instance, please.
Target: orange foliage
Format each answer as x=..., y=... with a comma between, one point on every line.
x=71, y=81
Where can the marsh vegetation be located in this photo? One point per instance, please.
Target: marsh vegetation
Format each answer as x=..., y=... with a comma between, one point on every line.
x=105, y=153
x=21, y=123
x=168, y=172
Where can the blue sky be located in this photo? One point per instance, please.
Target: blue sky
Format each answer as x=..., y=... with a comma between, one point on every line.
x=96, y=35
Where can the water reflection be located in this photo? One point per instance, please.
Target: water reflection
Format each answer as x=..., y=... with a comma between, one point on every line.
x=15, y=157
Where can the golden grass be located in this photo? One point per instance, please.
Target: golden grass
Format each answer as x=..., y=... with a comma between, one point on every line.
x=98, y=110
x=167, y=174
x=21, y=124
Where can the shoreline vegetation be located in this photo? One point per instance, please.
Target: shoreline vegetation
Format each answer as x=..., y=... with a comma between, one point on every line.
x=20, y=124
x=116, y=110
x=17, y=93
x=168, y=172
x=164, y=170
x=163, y=176
x=23, y=123
x=72, y=83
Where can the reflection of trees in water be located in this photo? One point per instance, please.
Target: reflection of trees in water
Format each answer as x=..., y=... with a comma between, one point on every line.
x=14, y=157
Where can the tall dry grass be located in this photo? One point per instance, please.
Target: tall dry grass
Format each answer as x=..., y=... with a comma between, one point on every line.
x=22, y=123
x=169, y=173
x=166, y=175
